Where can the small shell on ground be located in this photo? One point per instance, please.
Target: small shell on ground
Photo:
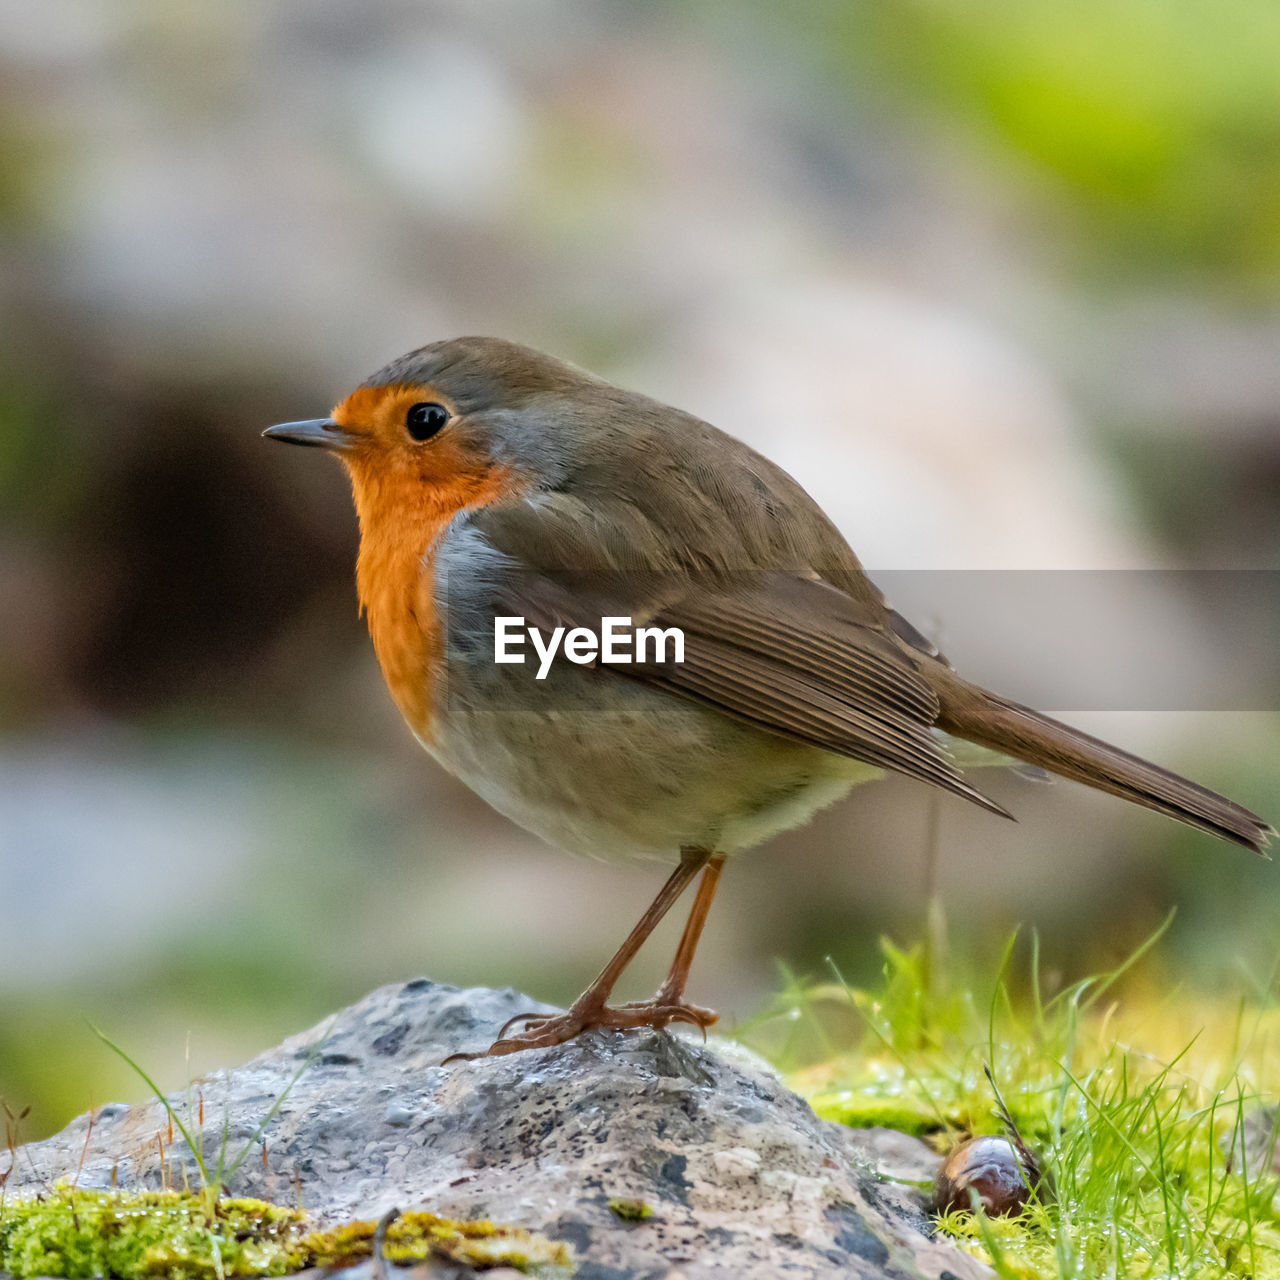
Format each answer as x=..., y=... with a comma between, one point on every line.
x=1001, y=1174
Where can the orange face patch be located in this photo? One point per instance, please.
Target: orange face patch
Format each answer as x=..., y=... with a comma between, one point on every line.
x=379, y=412
x=389, y=467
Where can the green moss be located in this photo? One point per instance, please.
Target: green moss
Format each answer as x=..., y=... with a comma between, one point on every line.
x=413, y=1237
x=630, y=1210
x=864, y=1108
x=139, y=1234
x=146, y=1233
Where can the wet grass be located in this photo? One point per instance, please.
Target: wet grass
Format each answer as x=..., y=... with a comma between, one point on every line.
x=1151, y=1106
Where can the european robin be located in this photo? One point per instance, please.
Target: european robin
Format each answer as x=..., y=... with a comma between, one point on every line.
x=493, y=482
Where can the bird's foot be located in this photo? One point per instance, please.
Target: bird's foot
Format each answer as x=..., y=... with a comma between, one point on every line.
x=541, y=1030
x=661, y=1011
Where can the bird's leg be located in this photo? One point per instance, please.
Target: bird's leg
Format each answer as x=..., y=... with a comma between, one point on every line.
x=669, y=998
x=589, y=1009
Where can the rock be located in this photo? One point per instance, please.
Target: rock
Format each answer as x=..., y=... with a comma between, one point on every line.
x=895, y=1155
x=652, y=1154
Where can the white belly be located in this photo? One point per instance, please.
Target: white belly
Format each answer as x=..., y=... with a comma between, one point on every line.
x=626, y=772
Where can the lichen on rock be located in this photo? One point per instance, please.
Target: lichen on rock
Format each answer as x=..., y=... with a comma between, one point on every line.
x=415, y=1236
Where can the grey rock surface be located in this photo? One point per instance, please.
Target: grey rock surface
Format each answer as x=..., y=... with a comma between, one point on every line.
x=742, y=1179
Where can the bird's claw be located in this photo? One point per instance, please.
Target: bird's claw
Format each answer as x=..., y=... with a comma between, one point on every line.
x=666, y=1011
x=543, y=1030
x=523, y=1017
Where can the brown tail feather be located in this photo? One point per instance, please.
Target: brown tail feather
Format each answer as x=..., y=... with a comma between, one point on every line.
x=992, y=721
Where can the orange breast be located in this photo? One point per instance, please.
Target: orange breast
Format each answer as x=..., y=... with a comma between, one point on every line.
x=395, y=586
x=400, y=521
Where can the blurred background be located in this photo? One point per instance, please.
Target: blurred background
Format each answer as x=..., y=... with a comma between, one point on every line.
x=999, y=283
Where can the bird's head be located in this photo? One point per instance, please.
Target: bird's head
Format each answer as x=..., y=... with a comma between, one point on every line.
x=448, y=426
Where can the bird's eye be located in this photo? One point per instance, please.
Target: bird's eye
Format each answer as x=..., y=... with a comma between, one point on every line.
x=425, y=420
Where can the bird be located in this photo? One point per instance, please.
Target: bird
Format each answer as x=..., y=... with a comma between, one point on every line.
x=494, y=482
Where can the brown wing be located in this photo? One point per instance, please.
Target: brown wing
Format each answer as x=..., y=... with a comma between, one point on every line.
x=782, y=650
x=799, y=658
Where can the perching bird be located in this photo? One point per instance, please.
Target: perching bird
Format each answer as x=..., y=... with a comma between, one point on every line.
x=492, y=482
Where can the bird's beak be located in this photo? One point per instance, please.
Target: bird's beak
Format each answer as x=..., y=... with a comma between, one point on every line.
x=320, y=433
